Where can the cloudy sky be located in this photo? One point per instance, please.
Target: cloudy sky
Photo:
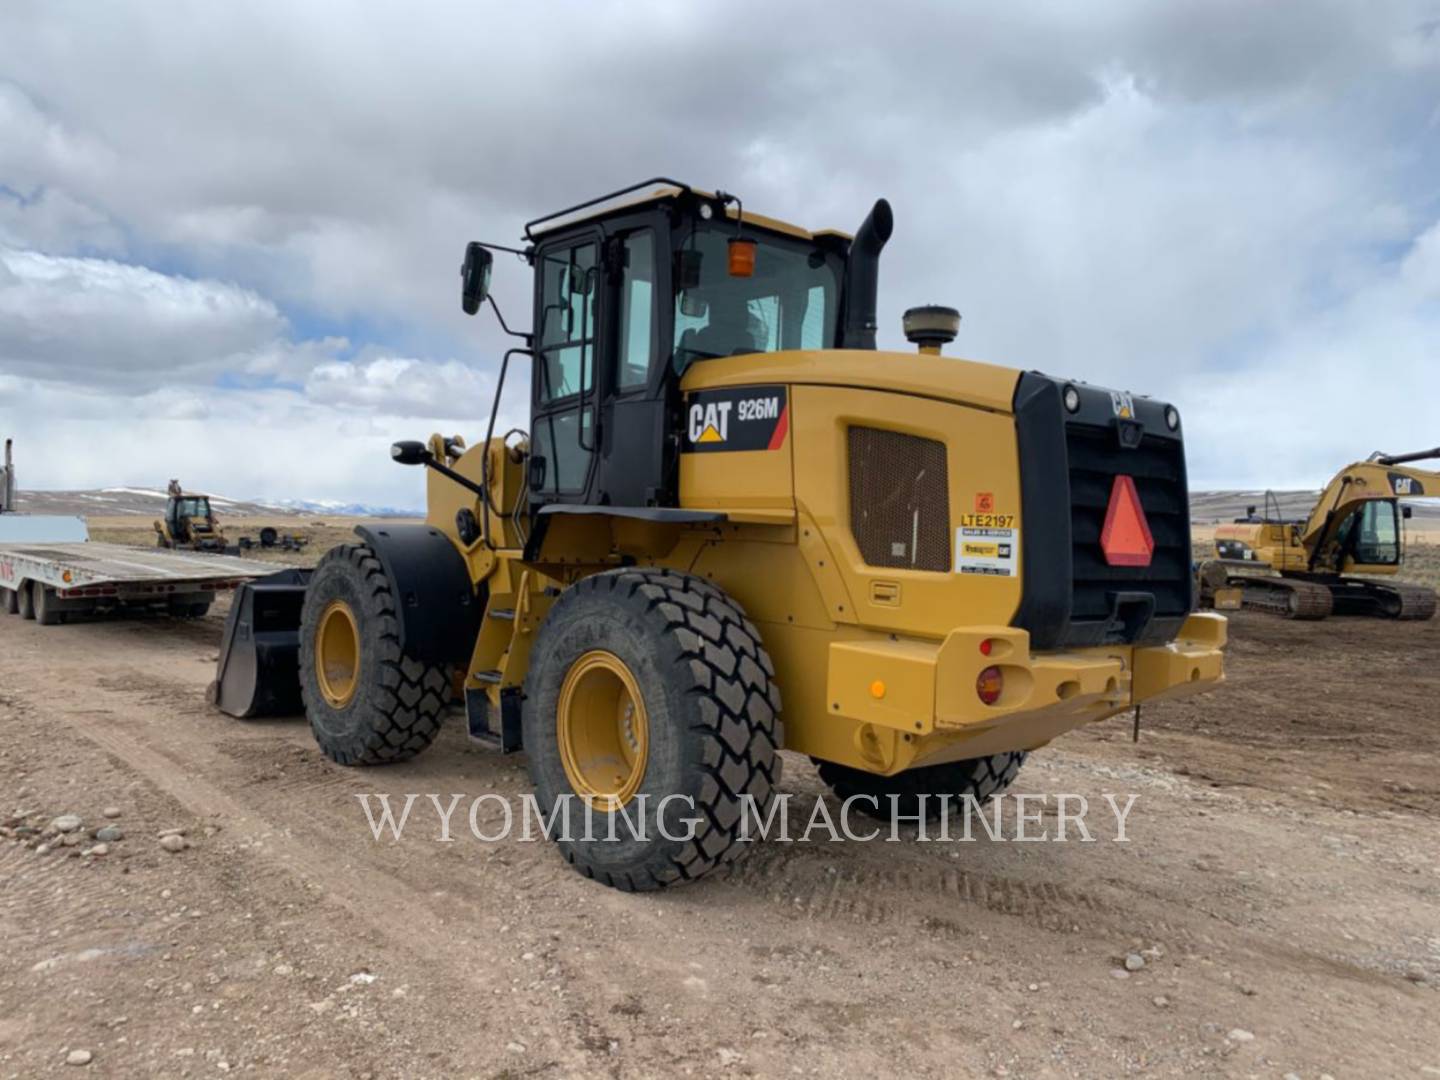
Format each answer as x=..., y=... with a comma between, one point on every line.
x=229, y=233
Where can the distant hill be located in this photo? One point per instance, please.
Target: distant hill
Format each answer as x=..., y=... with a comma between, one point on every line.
x=150, y=502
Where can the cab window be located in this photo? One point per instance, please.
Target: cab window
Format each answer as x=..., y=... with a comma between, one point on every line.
x=1374, y=534
x=791, y=300
x=570, y=282
x=637, y=310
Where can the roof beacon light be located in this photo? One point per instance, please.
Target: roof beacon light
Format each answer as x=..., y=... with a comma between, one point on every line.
x=742, y=250
x=742, y=257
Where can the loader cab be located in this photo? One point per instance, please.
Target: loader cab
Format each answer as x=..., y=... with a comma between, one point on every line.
x=185, y=514
x=625, y=301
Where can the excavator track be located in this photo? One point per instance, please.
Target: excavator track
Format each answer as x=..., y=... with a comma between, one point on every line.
x=1417, y=602
x=1285, y=597
x=1384, y=599
x=1288, y=598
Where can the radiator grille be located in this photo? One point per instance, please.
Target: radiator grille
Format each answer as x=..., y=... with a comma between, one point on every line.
x=899, y=499
x=1158, y=469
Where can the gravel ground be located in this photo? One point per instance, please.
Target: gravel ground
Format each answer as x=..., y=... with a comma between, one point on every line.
x=1275, y=911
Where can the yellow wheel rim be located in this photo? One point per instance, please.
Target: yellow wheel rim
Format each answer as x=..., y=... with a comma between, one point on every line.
x=603, y=730
x=337, y=654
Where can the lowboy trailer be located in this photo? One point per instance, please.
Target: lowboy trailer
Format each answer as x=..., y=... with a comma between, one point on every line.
x=50, y=579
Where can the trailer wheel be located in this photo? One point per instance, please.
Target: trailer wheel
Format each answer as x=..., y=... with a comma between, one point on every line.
x=646, y=685
x=25, y=600
x=899, y=795
x=368, y=703
x=43, y=601
x=9, y=601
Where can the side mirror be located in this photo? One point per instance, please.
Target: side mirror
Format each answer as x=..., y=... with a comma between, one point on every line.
x=474, y=279
x=1407, y=512
x=409, y=453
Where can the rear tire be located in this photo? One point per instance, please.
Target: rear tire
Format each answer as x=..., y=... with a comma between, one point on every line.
x=387, y=707
x=25, y=600
x=710, y=716
x=9, y=601
x=43, y=601
x=977, y=777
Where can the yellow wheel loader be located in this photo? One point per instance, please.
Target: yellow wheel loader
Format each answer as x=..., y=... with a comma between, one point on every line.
x=1302, y=568
x=733, y=527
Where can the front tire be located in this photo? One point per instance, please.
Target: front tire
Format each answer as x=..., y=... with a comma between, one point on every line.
x=646, y=684
x=368, y=703
x=900, y=795
x=9, y=601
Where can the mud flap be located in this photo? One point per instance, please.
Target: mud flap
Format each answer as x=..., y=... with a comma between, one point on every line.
x=259, y=669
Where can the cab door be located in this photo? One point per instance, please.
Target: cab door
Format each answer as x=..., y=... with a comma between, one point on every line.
x=569, y=284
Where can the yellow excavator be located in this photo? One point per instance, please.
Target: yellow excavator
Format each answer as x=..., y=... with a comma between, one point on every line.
x=729, y=498
x=1306, y=565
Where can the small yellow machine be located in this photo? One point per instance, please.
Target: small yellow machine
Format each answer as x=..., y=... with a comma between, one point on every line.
x=1305, y=564
x=189, y=522
x=726, y=494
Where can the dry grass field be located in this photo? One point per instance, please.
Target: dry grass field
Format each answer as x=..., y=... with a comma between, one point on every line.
x=322, y=533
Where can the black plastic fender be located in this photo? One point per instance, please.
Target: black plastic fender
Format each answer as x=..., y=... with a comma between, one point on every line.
x=439, y=607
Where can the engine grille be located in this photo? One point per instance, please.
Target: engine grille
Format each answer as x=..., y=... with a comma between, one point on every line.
x=899, y=499
x=1157, y=466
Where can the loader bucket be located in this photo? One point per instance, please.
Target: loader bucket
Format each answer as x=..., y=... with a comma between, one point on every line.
x=259, y=669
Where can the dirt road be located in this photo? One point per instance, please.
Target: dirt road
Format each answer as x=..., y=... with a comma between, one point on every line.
x=1281, y=884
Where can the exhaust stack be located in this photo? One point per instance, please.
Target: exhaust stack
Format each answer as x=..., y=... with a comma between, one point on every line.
x=7, y=481
x=862, y=278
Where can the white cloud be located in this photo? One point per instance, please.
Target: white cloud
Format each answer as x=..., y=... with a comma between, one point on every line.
x=112, y=323
x=398, y=386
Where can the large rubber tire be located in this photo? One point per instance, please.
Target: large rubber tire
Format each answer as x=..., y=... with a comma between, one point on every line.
x=396, y=708
x=713, y=726
x=43, y=600
x=9, y=601
x=25, y=600
x=978, y=777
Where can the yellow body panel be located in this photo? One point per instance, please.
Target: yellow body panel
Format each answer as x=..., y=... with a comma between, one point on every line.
x=877, y=666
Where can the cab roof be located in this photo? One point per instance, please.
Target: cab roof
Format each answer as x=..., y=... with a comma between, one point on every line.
x=660, y=190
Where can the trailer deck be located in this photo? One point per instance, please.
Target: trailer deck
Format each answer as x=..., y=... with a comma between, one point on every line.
x=58, y=578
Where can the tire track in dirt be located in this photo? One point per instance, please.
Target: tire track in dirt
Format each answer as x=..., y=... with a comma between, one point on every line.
x=174, y=768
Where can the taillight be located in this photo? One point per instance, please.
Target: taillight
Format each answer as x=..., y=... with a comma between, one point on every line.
x=989, y=684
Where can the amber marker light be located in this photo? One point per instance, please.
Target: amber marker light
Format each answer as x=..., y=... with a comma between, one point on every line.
x=989, y=684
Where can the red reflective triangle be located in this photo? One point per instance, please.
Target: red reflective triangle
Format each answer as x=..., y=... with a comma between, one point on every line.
x=1126, y=539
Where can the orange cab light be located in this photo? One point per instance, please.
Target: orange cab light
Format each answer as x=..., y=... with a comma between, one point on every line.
x=1125, y=538
x=986, y=646
x=877, y=689
x=742, y=257
x=989, y=684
